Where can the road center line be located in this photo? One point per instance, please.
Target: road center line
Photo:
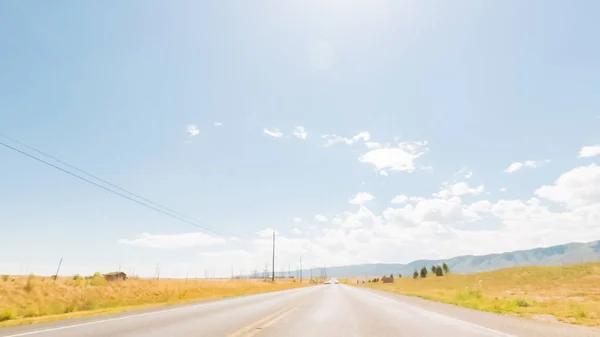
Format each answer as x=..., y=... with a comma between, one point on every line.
x=253, y=328
x=73, y=326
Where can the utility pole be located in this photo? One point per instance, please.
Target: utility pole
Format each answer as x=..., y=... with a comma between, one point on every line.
x=57, y=270
x=273, y=277
x=300, y=269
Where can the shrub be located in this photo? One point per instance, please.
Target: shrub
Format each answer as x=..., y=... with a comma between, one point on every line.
x=446, y=269
x=76, y=277
x=521, y=303
x=4, y=278
x=98, y=279
x=415, y=274
x=7, y=314
x=423, y=272
x=29, y=284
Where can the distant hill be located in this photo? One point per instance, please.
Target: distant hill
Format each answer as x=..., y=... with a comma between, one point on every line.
x=550, y=256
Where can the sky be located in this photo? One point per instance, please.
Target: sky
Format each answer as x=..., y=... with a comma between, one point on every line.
x=359, y=131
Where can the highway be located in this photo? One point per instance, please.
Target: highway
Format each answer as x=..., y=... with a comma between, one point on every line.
x=323, y=310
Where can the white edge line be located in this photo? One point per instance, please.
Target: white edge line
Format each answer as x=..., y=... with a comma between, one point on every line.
x=35, y=332
x=500, y=333
x=101, y=321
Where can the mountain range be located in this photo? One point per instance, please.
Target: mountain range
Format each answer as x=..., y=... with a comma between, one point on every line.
x=569, y=253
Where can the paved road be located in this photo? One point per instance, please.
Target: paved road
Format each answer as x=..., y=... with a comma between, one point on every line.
x=324, y=310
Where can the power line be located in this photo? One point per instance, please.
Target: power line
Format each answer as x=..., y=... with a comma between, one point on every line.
x=108, y=183
x=175, y=216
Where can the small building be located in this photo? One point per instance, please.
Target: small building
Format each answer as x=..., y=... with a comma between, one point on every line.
x=117, y=275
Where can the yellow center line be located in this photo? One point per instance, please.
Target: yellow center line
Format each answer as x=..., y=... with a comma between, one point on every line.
x=249, y=330
x=269, y=322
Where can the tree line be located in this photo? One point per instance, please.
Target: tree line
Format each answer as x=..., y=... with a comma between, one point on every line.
x=435, y=270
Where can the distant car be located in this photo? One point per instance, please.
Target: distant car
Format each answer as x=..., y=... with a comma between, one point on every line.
x=328, y=282
x=336, y=281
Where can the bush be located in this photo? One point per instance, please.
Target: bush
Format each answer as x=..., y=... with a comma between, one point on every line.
x=29, y=285
x=521, y=303
x=445, y=267
x=438, y=271
x=416, y=274
x=423, y=272
x=7, y=314
x=98, y=279
x=4, y=278
x=76, y=277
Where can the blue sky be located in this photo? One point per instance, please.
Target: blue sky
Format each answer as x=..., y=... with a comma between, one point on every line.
x=429, y=100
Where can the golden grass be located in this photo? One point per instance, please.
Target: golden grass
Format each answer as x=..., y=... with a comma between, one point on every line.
x=570, y=293
x=28, y=299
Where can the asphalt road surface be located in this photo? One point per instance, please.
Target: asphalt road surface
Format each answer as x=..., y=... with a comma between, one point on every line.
x=324, y=310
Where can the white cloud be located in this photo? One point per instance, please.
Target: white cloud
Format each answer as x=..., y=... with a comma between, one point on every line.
x=362, y=136
x=464, y=173
x=173, y=240
x=218, y=124
x=296, y=231
x=399, y=199
x=273, y=133
x=297, y=220
x=589, y=151
x=361, y=198
x=362, y=218
x=481, y=206
x=192, y=130
x=331, y=140
x=373, y=145
x=514, y=167
x=320, y=218
x=576, y=188
x=458, y=190
x=300, y=132
x=400, y=158
x=383, y=173
x=502, y=189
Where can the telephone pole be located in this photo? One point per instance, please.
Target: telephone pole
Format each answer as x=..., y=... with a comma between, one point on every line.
x=273, y=276
x=300, y=269
x=57, y=270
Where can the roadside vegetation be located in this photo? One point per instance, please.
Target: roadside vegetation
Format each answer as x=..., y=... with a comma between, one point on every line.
x=29, y=299
x=568, y=294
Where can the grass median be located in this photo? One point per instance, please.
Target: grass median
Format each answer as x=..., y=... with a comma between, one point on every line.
x=32, y=299
x=568, y=294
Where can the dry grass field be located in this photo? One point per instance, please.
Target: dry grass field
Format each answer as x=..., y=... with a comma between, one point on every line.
x=28, y=299
x=569, y=294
